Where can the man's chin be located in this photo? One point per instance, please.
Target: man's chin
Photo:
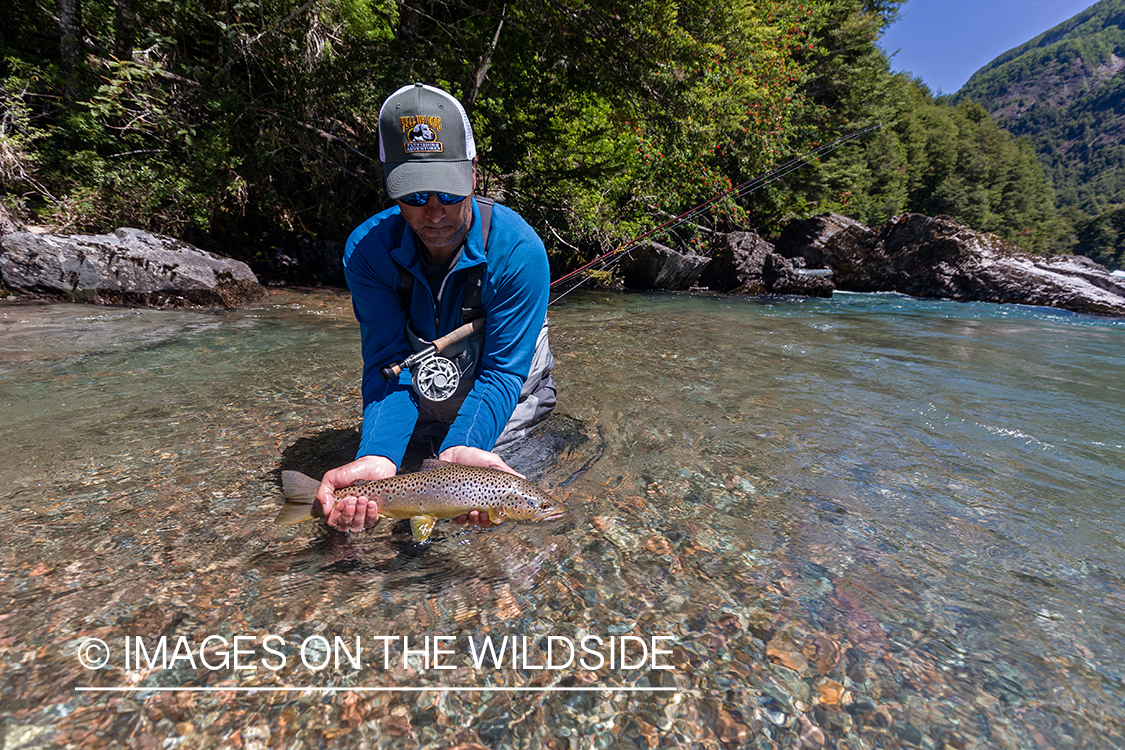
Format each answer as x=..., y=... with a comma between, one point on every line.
x=438, y=241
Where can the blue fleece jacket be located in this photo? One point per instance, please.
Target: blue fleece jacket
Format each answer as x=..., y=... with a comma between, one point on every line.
x=514, y=295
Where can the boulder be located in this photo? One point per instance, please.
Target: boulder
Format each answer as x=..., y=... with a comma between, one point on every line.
x=127, y=267
x=654, y=266
x=8, y=221
x=742, y=263
x=806, y=238
x=927, y=256
x=737, y=263
x=789, y=277
x=746, y=264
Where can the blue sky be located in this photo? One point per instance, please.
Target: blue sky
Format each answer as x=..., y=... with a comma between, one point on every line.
x=943, y=42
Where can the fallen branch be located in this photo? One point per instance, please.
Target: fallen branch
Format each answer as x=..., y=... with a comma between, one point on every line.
x=560, y=239
x=328, y=137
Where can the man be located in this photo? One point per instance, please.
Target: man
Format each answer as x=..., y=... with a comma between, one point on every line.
x=411, y=270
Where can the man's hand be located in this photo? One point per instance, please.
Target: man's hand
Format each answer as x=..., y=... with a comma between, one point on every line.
x=353, y=513
x=466, y=456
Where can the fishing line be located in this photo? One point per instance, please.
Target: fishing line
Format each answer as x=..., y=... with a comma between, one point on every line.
x=615, y=256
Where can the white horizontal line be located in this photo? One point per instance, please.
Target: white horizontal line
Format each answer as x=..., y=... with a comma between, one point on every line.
x=298, y=689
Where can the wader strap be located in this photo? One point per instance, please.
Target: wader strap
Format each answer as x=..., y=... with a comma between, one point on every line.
x=471, y=307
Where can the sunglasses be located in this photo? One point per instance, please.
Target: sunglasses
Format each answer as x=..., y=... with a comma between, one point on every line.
x=421, y=199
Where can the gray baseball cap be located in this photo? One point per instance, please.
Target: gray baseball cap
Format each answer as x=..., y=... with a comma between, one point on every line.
x=425, y=142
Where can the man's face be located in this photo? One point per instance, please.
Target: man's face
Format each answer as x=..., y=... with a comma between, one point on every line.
x=441, y=228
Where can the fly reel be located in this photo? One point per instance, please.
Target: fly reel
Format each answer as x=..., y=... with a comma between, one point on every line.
x=435, y=378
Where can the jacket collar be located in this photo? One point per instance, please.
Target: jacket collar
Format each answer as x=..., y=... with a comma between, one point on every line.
x=472, y=249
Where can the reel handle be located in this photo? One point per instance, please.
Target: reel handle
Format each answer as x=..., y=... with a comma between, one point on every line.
x=389, y=372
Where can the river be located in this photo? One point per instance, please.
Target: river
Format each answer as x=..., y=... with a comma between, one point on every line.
x=869, y=521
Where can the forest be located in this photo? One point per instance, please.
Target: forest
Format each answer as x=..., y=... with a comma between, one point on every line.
x=248, y=125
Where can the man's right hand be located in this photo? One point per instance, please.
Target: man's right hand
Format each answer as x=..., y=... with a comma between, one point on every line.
x=352, y=513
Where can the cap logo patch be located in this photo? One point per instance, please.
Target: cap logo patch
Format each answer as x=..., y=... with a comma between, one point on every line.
x=421, y=134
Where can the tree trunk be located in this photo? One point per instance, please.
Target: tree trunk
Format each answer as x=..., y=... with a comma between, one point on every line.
x=70, y=44
x=123, y=30
x=483, y=64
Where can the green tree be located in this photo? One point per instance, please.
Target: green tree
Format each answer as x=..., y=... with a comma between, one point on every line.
x=225, y=120
x=848, y=87
x=1102, y=237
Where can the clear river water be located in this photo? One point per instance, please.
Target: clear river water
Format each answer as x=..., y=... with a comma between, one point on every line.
x=869, y=521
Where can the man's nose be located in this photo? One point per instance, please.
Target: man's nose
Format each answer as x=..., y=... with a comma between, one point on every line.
x=433, y=206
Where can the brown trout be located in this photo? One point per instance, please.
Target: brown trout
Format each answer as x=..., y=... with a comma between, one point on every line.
x=439, y=490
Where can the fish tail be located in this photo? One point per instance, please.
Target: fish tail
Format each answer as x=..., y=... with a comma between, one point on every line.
x=300, y=498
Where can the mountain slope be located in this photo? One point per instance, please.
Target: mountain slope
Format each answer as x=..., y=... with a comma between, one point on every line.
x=1065, y=91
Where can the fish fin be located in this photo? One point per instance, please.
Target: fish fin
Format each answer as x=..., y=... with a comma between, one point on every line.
x=434, y=463
x=298, y=487
x=497, y=516
x=421, y=526
x=292, y=512
x=300, y=498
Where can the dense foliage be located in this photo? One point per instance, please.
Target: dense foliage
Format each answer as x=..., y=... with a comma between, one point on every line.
x=1061, y=90
x=240, y=124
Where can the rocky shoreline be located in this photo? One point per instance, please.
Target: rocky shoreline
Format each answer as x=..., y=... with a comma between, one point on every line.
x=916, y=255
x=935, y=257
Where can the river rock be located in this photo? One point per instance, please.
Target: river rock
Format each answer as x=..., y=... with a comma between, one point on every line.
x=745, y=263
x=806, y=238
x=790, y=277
x=8, y=221
x=936, y=257
x=654, y=266
x=737, y=264
x=127, y=267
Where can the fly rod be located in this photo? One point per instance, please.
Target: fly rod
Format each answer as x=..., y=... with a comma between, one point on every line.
x=436, y=377
x=618, y=253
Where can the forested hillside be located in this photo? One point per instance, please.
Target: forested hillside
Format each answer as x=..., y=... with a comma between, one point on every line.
x=246, y=125
x=1064, y=90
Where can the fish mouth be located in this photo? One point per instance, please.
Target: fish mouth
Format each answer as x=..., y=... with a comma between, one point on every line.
x=551, y=515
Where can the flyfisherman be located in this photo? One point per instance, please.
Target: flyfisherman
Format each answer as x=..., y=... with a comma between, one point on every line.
x=436, y=260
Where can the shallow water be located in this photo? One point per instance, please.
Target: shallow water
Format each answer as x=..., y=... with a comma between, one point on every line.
x=869, y=521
